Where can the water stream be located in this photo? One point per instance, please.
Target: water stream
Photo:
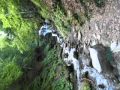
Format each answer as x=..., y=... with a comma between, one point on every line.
x=94, y=73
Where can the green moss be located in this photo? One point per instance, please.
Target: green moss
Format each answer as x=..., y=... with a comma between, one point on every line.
x=85, y=86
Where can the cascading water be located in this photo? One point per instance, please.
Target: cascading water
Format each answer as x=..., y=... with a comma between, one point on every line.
x=70, y=51
x=94, y=73
x=70, y=59
x=101, y=82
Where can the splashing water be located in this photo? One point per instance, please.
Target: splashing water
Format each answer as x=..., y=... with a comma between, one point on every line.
x=98, y=78
x=95, y=60
x=45, y=29
x=69, y=59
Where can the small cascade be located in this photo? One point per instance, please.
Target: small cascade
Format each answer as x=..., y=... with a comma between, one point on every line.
x=95, y=60
x=101, y=82
x=71, y=60
x=80, y=65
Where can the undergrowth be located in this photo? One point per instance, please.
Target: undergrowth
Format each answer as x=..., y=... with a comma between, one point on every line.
x=53, y=76
x=9, y=72
x=57, y=15
x=18, y=38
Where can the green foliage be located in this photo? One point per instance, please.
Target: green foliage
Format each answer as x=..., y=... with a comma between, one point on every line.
x=85, y=86
x=23, y=29
x=58, y=16
x=53, y=76
x=8, y=14
x=17, y=42
x=44, y=10
x=3, y=42
x=9, y=72
x=61, y=22
x=18, y=51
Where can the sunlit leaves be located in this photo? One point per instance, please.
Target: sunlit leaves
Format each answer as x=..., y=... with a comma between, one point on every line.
x=16, y=37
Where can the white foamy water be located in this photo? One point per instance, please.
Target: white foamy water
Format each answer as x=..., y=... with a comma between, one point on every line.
x=77, y=70
x=95, y=60
x=98, y=78
x=45, y=29
x=115, y=47
x=71, y=60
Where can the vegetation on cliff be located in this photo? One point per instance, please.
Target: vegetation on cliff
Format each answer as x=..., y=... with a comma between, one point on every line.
x=20, y=21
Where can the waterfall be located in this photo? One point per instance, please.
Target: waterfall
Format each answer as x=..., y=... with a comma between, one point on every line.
x=72, y=60
x=94, y=73
x=99, y=78
x=77, y=70
x=44, y=30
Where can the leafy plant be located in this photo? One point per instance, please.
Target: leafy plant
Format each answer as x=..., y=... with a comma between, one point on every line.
x=57, y=15
x=17, y=52
x=53, y=76
x=9, y=72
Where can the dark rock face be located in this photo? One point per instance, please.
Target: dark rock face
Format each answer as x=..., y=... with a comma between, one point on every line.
x=117, y=60
x=107, y=68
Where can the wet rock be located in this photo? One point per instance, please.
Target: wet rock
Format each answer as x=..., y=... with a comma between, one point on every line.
x=102, y=71
x=98, y=78
x=106, y=66
x=117, y=60
x=85, y=85
x=85, y=61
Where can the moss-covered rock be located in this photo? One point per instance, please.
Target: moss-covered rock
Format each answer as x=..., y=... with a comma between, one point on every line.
x=85, y=85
